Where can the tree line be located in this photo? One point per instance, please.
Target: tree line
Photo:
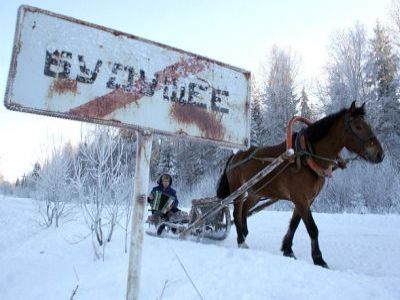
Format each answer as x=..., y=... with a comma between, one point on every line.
x=361, y=66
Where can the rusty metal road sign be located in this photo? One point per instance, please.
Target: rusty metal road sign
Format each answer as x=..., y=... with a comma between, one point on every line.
x=72, y=69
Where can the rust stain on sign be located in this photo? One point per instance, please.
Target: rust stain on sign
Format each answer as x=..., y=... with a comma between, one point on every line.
x=206, y=121
x=106, y=104
x=182, y=69
x=63, y=86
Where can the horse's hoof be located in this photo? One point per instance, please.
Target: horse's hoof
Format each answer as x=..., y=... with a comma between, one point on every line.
x=243, y=245
x=325, y=265
x=289, y=254
x=318, y=260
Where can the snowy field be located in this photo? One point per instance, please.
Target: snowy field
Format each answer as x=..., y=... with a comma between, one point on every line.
x=363, y=252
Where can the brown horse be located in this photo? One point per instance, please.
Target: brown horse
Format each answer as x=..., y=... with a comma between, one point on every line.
x=299, y=183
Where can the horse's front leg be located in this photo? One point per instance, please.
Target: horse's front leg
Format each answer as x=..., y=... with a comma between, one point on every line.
x=237, y=216
x=249, y=202
x=312, y=229
x=288, y=238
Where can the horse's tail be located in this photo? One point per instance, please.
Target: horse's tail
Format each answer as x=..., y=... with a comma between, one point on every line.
x=223, y=190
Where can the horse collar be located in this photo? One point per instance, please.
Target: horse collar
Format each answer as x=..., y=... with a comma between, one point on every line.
x=303, y=146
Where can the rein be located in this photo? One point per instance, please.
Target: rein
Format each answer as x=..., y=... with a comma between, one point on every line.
x=271, y=179
x=250, y=157
x=339, y=162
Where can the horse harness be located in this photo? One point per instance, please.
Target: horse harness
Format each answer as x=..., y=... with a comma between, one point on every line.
x=305, y=155
x=304, y=152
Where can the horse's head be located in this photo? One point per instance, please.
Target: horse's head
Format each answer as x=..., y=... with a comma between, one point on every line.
x=359, y=137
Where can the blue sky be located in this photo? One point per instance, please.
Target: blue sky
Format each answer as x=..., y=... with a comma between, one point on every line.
x=239, y=33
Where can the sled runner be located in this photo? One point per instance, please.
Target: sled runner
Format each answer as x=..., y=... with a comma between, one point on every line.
x=216, y=226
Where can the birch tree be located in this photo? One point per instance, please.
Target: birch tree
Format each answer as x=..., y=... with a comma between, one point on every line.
x=53, y=187
x=99, y=172
x=346, y=81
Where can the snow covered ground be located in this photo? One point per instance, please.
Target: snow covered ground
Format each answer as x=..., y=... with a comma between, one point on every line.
x=362, y=250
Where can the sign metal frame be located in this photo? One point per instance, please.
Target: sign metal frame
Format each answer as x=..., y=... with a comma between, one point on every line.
x=188, y=94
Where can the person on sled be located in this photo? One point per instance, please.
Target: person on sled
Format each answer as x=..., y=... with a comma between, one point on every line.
x=163, y=199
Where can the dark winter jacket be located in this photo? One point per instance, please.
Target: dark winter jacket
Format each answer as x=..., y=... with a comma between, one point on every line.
x=169, y=191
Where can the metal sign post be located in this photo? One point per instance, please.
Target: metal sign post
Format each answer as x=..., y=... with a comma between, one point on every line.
x=68, y=68
x=142, y=168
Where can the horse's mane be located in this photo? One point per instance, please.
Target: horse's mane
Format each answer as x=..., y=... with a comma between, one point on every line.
x=320, y=128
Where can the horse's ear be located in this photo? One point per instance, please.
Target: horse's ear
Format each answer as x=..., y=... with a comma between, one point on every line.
x=363, y=106
x=352, y=107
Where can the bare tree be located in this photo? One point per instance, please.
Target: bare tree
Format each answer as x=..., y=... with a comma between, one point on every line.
x=53, y=189
x=124, y=189
x=99, y=170
x=346, y=80
x=394, y=22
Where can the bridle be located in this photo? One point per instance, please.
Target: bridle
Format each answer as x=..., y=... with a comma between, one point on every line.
x=307, y=149
x=347, y=127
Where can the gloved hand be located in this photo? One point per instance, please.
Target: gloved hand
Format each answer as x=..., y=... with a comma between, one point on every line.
x=150, y=198
x=341, y=163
